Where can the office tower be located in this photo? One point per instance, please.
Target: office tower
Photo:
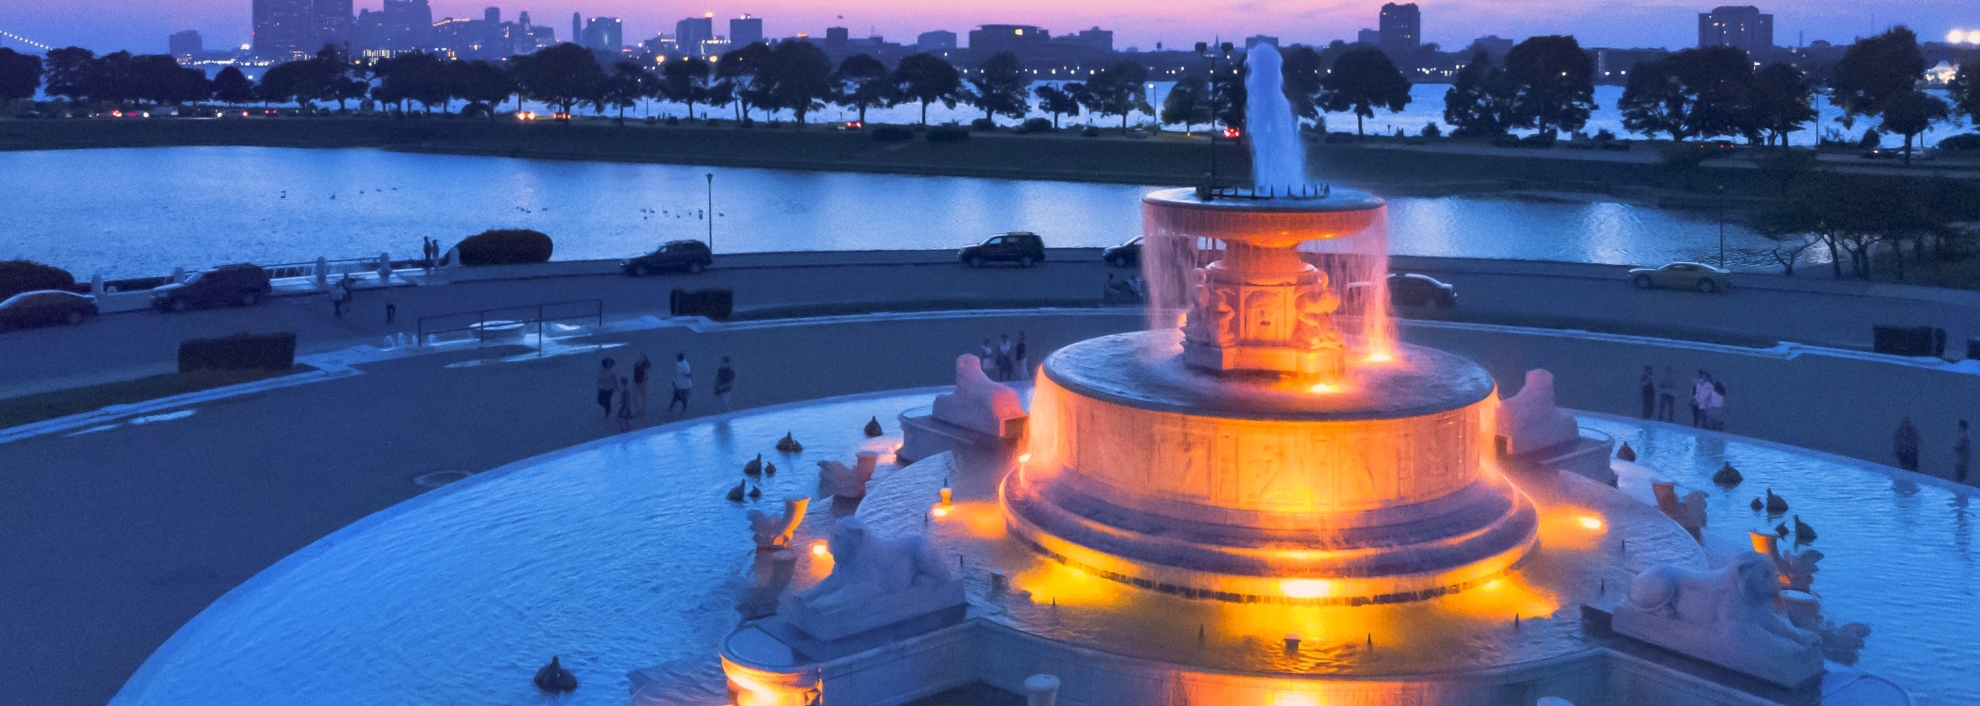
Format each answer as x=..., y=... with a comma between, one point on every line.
x=745, y=30
x=1493, y=45
x=332, y=23
x=1740, y=26
x=577, y=29
x=492, y=15
x=836, y=38
x=605, y=34
x=690, y=33
x=1401, y=29
x=281, y=28
x=938, y=40
x=987, y=40
x=186, y=44
x=1368, y=36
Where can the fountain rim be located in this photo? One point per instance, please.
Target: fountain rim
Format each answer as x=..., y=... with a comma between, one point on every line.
x=1338, y=200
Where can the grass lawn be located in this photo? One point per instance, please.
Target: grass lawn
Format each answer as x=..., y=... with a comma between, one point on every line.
x=29, y=409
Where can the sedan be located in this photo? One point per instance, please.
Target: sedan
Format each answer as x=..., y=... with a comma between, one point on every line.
x=46, y=308
x=1126, y=254
x=1682, y=275
x=1409, y=289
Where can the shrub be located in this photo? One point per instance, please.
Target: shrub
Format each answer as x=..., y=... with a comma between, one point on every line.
x=1505, y=141
x=1539, y=140
x=892, y=133
x=715, y=304
x=1090, y=131
x=984, y=124
x=506, y=247
x=1604, y=135
x=947, y=133
x=18, y=276
x=1035, y=125
x=273, y=352
x=1432, y=130
x=1871, y=139
x=1969, y=141
x=673, y=120
x=1341, y=138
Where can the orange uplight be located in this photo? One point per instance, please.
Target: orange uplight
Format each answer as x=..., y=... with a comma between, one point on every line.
x=1590, y=522
x=1295, y=698
x=1025, y=458
x=1306, y=588
x=1321, y=388
x=1381, y=358
x=1494, y=584
x=940, y=511
x=818, y=549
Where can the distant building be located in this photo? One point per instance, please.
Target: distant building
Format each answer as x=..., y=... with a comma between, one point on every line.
x=1742, y=26
x=186, y=45
x=938, y=40
x=282, y=28
x=836, y=38
x=1257, y=39
x=331, y=23
x=1493, y=45
x=605, y=34
x=1401, y=29
x=691, y=33
x=987, y=40
x=1100, y=40
x=745, y=30
x=1369, y=37
x=401, y=26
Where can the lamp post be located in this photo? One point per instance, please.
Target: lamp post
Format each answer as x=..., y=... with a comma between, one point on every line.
x=711, y=212
x=1722, y=226
x=1224, y=51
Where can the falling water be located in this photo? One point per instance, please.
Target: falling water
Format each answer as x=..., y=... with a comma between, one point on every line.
x=1278, y=160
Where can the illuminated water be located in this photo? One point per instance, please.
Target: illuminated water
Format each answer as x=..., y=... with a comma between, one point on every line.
x=141, y=212
x=622, y=555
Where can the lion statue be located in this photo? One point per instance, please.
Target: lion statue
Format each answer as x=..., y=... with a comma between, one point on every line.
x=1725, y=616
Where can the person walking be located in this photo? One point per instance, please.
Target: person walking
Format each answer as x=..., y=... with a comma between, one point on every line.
x=1715, y=407
x=341, y=299
x=625, y=405
x=1701, y=389
x=725, y=382
x=639, y=381
x=988, y=359
x=608, y=383
x=682, y=382
x=1023, y=363
x=1667, y=395
x=1649, y=392
x=1904, y=445
x=1006, y=364
x=1962, y=454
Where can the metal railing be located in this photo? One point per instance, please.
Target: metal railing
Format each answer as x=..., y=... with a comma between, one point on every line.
x=477, y=323
x=354, y=265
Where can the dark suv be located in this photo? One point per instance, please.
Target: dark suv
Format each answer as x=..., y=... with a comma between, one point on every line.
x=690, y=255
x=242, y=285
x=1126, y=254
x=1025, y=249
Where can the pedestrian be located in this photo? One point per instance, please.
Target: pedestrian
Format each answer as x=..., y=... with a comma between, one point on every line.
x=988, y=359
x=341, y=299
x=1962, y=454
x=1005, y=363
x=1023, y=364
x=1701, y=388
x=391, y=309
x=1649, y=392
x=682, y=381
x=608, y=383
x=625, y=405
x=1716, y=414
x=1667, y=395
x=639, y=381
x=725, y=381
x=1904, y=445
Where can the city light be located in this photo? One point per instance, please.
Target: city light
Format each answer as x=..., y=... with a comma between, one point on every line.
x=1960, y=36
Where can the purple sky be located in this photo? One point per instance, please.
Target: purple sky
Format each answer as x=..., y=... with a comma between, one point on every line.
x=142, y=25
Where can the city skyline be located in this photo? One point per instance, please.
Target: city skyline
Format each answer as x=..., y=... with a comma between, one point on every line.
x=105, y=25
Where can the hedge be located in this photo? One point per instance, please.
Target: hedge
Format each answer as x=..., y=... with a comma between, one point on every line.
x=506, y=247
x=18, y=276
x=892, y=133
x=1969, y=141
x=947, y=133
x=715, y=304
x=273, y=352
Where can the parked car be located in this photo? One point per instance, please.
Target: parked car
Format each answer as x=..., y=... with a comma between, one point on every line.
x=1126, y=254
x=46, y=307
x=1682, y=275
x=690, y=255
x=1025, y=249
x=1409, y=289
x=242, y=285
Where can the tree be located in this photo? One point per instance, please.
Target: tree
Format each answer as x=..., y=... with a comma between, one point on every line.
x=479, y=82
x=1480, y=102
x=1553, y=84
x=1188, y=103
x=924, y=78
x=417, y=76
x=861, y=83
x=1228, y=97
x=1964, y=90
x=1301, y=71
x=1693, y=93
x=1057, y=101
x=160, y=79
x=685, y=81
x=1779, y=101
x=232, y=87
x=624, y=87
x=1362, y=79
x=1875, y=70
x=563, y=75
x=20, y=75
x=68, y=72
x=738, y=68
x=796, y=76
x=1000, y=84
x=1117, y=90
x=1912, y=112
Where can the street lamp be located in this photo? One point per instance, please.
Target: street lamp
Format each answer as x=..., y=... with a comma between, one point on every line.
x=711, y=212
x=1722, y=226
x=1224, y=51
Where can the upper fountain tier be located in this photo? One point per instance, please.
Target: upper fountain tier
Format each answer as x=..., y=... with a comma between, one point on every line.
x=1271, y=217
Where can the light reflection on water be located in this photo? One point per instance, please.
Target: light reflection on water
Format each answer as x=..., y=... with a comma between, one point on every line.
x=141, y=212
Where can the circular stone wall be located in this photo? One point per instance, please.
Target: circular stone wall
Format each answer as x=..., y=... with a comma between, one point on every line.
x=1149, y=472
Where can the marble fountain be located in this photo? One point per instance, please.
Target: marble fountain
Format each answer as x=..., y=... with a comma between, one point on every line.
x=1265, y=499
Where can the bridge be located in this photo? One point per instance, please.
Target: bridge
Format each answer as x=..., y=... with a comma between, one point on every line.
x=4, y=34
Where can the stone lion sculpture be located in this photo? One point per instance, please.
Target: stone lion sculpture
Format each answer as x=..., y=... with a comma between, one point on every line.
x=979, y=403
x=875, y=581
x=1725, y=616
